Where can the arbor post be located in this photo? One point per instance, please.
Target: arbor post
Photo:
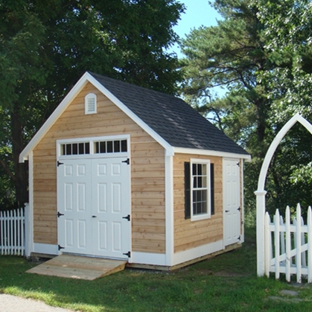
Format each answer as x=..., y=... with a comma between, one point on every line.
x=260, y=202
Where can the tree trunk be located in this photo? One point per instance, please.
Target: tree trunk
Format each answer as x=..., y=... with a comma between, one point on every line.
x=20, y=169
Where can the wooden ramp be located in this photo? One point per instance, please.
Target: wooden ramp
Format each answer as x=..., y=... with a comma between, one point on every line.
x=78, y=267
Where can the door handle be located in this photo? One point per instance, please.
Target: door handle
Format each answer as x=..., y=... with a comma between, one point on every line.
x=93, y=216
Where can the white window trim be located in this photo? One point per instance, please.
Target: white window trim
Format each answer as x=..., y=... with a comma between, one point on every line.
x=208, y=214
x=87, y=97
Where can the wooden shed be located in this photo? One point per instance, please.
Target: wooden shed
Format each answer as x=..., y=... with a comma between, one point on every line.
x=124, y=172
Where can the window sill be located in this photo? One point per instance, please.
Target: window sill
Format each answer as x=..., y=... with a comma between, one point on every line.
x=200, y=217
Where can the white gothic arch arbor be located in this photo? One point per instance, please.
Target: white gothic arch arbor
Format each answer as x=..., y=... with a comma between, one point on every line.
x=260, y=193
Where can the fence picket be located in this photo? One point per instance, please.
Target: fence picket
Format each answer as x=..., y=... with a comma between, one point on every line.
x=277, y=244
x=288, y=244
x=309, y=223
x=267, y=243
x=298, y=244
x=1, y=232
x=282, y=238
x=5, y=231
x=12, y=228
x=303, y=243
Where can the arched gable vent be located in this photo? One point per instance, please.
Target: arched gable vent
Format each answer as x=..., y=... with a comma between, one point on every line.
x=90, y=104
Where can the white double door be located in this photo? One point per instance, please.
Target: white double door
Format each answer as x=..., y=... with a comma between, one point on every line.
x=231, y=201
x=94, y=207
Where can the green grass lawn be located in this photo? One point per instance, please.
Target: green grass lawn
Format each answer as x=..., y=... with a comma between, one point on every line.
x=225, y=283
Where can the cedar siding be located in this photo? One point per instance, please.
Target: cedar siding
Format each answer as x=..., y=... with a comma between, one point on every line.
x=147, y=171
x=190, y=234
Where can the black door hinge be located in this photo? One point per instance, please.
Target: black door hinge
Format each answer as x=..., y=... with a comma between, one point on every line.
x=238, y=238
x=59, y=163
x=127, y=254
x=60, y=247
x=127, y=217
x=59, y=214
x=238, y=208
x=238, y=164
x=127, y=161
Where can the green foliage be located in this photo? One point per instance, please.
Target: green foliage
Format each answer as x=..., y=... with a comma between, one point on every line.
x=286, y=33
x=260, y=52
x=46, y=46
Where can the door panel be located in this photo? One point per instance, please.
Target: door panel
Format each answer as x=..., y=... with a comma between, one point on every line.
x=74, y=194
x=231, y=201
x=111, y=179
x=94, y=196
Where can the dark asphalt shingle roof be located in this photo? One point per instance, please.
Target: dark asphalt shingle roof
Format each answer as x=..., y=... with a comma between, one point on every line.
x=173, y=119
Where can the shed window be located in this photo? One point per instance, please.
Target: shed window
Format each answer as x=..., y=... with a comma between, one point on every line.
x=111, y=146
x=90, y=104
x=199, y=189
x=75, y=148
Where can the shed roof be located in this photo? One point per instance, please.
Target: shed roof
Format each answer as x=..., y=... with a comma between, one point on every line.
x=168, y=119
x=173, y=119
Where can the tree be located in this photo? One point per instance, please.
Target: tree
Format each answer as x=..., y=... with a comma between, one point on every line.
x=230, y=55
x=287, y=36
x=46, y=46
x=237, y=54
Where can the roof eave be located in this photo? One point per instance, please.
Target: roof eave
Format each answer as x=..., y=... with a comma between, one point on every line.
x=196, y=151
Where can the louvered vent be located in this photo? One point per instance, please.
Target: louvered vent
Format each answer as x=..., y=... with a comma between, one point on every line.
x=90, y=104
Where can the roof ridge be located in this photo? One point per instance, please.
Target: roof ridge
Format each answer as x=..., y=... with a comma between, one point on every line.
x=133, y=85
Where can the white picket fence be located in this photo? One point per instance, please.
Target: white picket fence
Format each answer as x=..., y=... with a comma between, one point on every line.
x=13, y=232
x=288, y=245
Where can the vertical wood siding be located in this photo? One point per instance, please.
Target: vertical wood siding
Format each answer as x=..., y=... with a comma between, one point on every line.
x=189, y=234
x=147, y=171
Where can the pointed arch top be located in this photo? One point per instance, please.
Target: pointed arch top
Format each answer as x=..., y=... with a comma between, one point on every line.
x=268, y=157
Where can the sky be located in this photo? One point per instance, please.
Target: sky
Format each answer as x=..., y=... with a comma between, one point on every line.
x=197, y=13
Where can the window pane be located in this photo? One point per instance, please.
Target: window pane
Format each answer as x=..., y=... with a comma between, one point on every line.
x=195, y=196
x=81, y=148
x=200, y=182
x=204, y=169
x=204, y=181
x=109, y=146
x=102, y=147
x=194, y=169
x=87, y=148
x=200, y=169
x=68, y=149
x=96, y=147
x=116, y=146
x=75, y=149
x=124, y=145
